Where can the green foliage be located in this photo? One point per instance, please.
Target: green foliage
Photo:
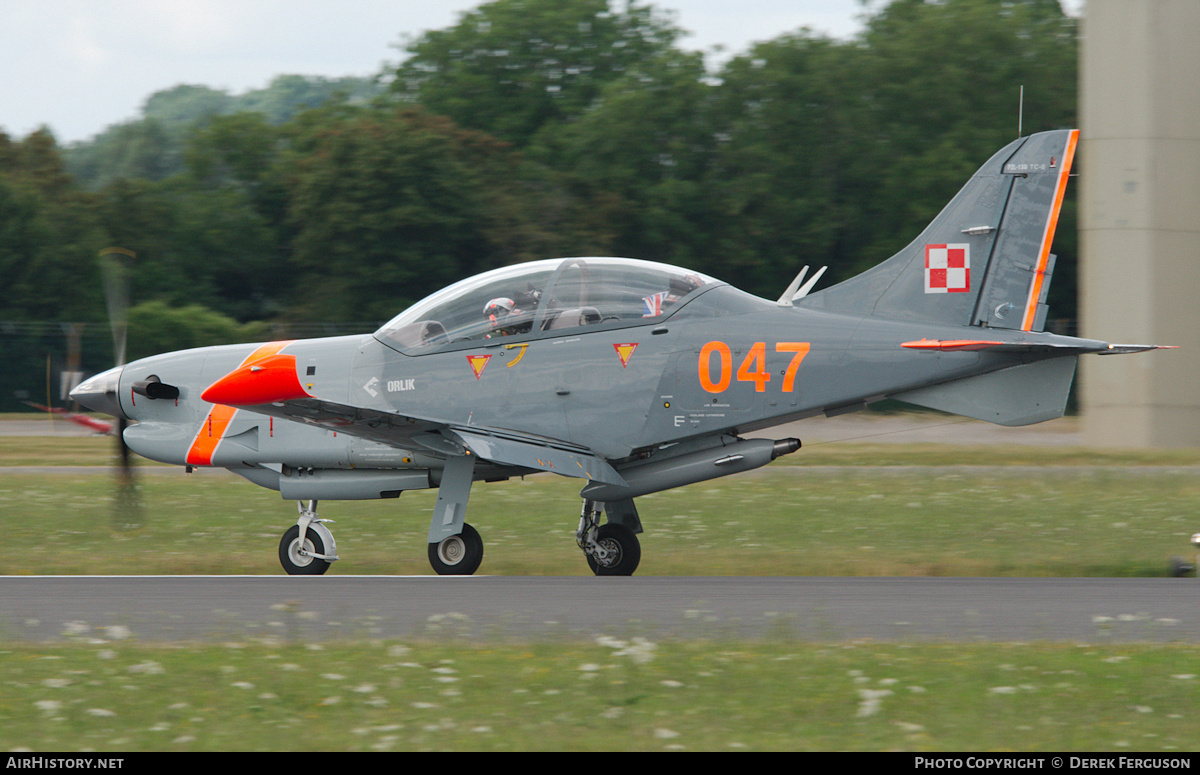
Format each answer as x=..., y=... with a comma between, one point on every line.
x=153, y=147
x=157, y=327
x=530, y=129
x=184, y=105
x=388, y=205
x=49, y=235
x=516, y=67
x=791, y=184
x=649, y=141
x=941, y=92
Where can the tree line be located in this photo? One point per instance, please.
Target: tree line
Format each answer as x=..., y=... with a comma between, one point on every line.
x=531, y=129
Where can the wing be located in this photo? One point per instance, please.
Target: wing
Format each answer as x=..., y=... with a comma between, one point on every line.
x=270, y=386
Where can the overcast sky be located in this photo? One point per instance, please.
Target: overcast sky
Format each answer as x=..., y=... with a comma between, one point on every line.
x=79, y=66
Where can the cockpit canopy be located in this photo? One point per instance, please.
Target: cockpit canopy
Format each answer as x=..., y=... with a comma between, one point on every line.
x=543, y=298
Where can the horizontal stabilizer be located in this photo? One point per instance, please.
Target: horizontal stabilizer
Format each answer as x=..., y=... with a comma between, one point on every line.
x=1074, y=347
x=1019, y=395
x=951, y=345
x=1124, y=349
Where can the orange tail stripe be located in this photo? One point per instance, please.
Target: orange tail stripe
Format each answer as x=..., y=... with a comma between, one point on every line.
x=1039, y=275
x=212, y=430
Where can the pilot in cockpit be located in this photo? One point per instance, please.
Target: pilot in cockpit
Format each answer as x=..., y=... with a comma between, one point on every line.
x=509, y=317
x=658, y=303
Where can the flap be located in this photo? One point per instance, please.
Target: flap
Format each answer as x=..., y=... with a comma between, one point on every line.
x=541, y=454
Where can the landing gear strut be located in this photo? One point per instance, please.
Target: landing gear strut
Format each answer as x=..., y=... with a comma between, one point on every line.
x=611, y=549
x=307, y=548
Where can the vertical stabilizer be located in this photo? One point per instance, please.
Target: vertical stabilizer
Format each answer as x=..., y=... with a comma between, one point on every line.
x=985, y=260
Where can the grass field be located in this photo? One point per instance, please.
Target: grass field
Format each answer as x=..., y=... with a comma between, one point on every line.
x=836, y=510
x=855, y=510
x=601, y=696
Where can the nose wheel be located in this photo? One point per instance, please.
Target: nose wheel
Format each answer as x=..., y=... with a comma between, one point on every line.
x=299, y=558
x=307, y=547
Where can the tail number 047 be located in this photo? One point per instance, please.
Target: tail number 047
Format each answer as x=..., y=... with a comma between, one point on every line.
x=753, y=367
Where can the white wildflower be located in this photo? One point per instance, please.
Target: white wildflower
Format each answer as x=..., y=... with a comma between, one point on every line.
x=640, y=651
x=872, y=701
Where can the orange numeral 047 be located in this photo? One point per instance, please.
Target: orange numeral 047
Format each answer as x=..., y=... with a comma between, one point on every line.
x=753, y=368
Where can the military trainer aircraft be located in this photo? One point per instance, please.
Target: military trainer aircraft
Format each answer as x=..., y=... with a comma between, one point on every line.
x=633, y=377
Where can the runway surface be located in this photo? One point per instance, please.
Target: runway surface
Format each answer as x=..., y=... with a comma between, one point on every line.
x=527, y=609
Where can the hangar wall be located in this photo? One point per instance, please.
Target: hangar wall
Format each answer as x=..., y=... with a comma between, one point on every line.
x=1139, y=220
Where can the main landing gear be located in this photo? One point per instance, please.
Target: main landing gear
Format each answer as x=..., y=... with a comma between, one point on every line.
x=307, y=548
x=612, y=549
x=457, y=555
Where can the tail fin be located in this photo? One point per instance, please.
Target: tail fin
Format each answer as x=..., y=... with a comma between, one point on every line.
x=985, y=260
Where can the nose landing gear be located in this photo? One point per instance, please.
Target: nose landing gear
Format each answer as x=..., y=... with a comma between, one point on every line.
x=307, y=548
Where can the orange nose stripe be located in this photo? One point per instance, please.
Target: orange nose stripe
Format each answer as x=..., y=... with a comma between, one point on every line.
x=212, y=430
x=264, y=381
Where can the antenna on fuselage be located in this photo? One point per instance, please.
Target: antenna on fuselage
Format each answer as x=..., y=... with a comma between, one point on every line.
x=1020, y=111
x=797, y=291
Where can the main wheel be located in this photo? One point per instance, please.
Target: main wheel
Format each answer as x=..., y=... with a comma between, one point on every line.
x=302, y=564
x=622, y=550
x=458, y=555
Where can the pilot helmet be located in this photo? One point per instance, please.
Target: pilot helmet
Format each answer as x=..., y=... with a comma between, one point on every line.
x=497, y=309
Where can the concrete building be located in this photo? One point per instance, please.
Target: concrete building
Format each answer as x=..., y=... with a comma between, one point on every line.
x=1139, y=220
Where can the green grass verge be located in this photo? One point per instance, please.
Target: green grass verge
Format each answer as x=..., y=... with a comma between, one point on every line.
x=853, y=520
x=606, y=695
